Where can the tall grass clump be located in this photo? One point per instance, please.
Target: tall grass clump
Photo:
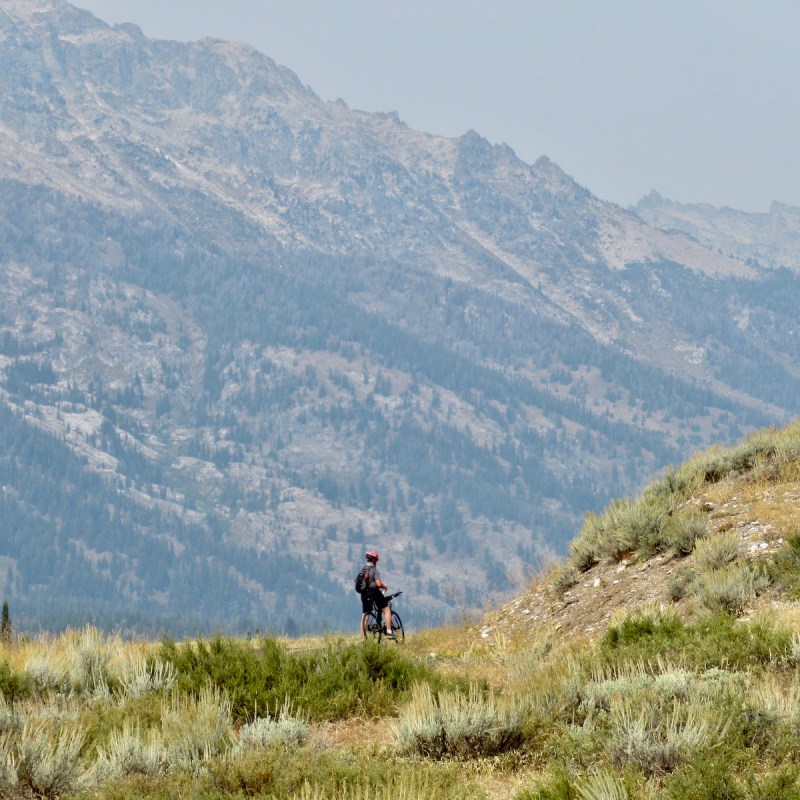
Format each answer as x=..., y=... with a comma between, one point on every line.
x=196, y=729
x=625, y=526
x=146, y=676
x=642, y=737
x=44, y=758
x=684, y=529
x=130, y=751
x=91, y=664
x=458, y=725
x=602, y=785
x=410, y=782
x=648, y=525
x=717, y=551
x=77, y=661
x=770, y=454
x=9, y=717
x=719, y=463
x=285, y=729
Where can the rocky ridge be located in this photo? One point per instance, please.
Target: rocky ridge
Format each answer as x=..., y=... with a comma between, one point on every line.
x=771, y=239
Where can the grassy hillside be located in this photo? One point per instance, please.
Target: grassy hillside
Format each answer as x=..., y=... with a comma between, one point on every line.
x=660, y=661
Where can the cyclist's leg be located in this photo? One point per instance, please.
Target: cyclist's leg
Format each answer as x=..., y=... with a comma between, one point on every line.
x=387, y=619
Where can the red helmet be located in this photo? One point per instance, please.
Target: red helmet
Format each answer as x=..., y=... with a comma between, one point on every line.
x=371, y=555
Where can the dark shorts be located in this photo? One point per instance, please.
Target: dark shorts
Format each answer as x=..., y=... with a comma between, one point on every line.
x=371, y=596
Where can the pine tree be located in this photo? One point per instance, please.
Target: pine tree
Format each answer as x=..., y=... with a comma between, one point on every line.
x=5, y=624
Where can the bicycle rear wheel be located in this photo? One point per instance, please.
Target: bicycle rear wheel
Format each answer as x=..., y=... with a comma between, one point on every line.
x=375, y=624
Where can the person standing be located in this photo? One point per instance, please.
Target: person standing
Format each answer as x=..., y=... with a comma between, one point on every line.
x=373, y=594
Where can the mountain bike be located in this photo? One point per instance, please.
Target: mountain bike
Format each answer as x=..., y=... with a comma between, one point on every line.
x=376, y=626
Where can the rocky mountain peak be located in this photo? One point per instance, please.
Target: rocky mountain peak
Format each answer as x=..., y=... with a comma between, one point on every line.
x=54, y=15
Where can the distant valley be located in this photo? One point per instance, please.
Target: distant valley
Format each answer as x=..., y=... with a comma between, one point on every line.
x=246, y=334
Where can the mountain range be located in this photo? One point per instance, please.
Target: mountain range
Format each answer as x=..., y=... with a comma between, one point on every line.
x=246, y=334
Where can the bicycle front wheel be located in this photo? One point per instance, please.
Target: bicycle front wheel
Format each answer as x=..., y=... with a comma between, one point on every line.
x=397, y=628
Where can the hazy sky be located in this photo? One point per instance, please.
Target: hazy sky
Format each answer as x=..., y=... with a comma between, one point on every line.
x=698, y=99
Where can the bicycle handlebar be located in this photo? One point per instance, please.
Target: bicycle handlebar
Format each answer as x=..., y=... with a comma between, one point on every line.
x=392, y=596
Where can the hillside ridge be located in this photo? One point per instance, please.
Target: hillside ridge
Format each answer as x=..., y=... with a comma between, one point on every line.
x=756, y=507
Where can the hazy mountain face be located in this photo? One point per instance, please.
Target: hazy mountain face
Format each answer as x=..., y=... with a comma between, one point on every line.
x=245, y=335
x=771, y=239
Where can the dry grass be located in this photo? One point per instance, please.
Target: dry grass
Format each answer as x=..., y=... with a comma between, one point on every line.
x=448, y=641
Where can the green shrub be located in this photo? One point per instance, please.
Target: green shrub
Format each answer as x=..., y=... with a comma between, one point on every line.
x=781, y=785
x=13, y=685
x=643, y=625
x=718, y=641
x=560, y=787
x=704, y=778
x=715, y=778
x=334, y=683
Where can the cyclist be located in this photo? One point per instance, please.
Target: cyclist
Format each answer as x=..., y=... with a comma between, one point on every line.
x=372, y=594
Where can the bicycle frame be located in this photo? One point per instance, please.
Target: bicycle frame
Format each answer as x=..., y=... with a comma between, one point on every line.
x=376, y=626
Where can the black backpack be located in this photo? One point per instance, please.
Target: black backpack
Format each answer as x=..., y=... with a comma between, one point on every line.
x=362, y=581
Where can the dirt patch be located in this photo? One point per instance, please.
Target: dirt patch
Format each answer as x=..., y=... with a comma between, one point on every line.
x=352, y=733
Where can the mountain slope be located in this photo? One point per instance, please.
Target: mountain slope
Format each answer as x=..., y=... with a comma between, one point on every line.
x=269, y=332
